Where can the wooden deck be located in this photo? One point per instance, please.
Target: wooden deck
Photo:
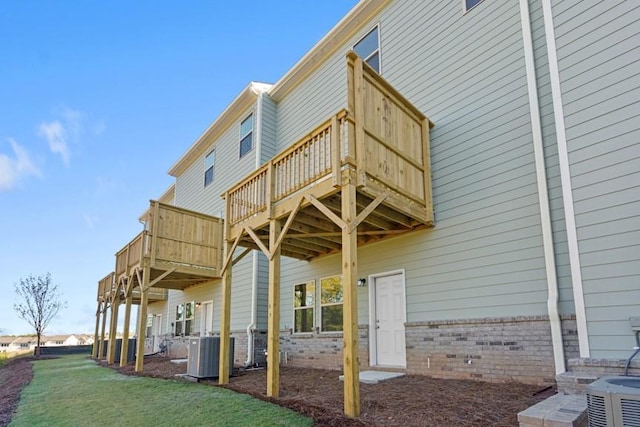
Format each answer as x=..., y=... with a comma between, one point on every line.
x=361, y=176
x=379, y=141
x=181, y=248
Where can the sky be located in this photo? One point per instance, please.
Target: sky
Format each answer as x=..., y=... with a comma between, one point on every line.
x=97, y=101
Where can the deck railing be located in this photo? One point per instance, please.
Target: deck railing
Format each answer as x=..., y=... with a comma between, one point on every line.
x=312, y=158
x=380, y=134
x=173, y=235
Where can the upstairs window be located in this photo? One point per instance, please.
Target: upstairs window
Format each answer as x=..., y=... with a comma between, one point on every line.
x=209, y=162
x=368, y=48
x=303, y=306
x=470, y=4
x=331, y=304
x=246, y=135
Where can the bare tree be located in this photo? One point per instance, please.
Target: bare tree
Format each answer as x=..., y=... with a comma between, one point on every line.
x=40, y=303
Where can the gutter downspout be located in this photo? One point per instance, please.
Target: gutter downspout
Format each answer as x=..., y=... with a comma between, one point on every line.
x=543, y=192
x=254, y=279
x=565, y=179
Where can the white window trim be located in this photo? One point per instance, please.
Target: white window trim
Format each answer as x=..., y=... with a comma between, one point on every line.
x=213, y=168
x=185, y=318
x=320, y=305
x=373, y=360
x=314, y=324
x=253, y=145
x=464, y=6
x=379, y=50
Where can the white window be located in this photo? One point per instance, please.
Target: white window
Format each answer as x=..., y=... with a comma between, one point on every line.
x=368, y=48
x=184, y=318
x=304, y=306
x=331, y=304
x=246, y=135
x=470, y=4
x=209, y=162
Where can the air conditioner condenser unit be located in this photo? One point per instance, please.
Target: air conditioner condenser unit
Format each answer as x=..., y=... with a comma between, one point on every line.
x=614, y=401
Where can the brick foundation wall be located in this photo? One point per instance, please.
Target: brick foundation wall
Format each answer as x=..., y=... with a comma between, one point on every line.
x=490, y=349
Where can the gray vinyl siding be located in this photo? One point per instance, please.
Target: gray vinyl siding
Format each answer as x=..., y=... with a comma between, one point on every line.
x=269, y=118
x=263, y=291
x=484, y=258
x=228, y=170
x=315, y=100
x=191, y=194
x=599, y=54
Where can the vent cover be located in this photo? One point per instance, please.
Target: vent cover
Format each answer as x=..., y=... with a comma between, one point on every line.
x=614, y=401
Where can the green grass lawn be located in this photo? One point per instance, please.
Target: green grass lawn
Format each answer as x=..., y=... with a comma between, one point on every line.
x=75, y=391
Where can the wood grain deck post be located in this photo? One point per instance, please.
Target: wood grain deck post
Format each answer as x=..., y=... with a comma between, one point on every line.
x=96, y=336
x=225, y=327
x=124, y=349
x=225, y=318
x=102, y=330
x=350, y=301
x=273, y=319
x=142, y=318
x=113, y=330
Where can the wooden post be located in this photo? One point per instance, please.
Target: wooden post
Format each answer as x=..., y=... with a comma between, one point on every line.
x=113, y=330
x=142, y=318
x=124, y=350
x=273, y=320
x=225, y=320
x=225, y=327
x=96, y=335
x=350, y=301
x=102, y=329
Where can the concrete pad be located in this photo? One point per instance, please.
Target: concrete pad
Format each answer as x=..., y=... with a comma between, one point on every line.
x=179, y=361
x=374, y=377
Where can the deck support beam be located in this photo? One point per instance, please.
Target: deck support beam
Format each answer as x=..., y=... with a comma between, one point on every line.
x=113, y=329
x=350, y=301
x=142, y=317
x=124, y=349
x=102, y=330
x=96, y=336
x=273, y=320
x=225, y=318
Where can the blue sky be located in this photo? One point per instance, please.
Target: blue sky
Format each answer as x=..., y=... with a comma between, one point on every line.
x=97, y=101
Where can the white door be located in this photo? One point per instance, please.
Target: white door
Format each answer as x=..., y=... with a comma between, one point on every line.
x=157, y=331
x=389, y=321
x=206, y=318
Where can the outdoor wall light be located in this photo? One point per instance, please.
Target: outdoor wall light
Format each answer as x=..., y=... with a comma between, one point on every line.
x=362, y=282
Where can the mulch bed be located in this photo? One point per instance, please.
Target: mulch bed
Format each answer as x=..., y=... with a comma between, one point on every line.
x=14, y=376
x=412, y=400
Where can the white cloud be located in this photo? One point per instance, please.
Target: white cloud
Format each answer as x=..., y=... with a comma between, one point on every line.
x=72, y=119
x=13, y=169
x=56, y=136
x=91, y=220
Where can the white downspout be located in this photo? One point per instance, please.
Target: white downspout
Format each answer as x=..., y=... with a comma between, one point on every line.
x=565, y=179
x=254, y=278
x=543, y=192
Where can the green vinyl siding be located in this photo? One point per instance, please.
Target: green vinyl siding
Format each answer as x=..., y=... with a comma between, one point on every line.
x=598, y=58
x=484, y=257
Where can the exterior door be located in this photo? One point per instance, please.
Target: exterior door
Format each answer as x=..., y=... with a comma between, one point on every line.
x=206, y=321
x=157, y=331
x=389, y=319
